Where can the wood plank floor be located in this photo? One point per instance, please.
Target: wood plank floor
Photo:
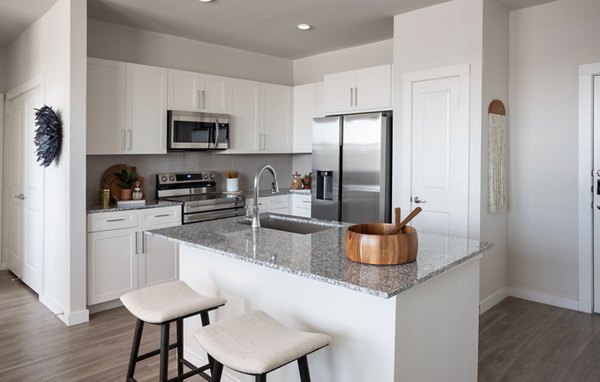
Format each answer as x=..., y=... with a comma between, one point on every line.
x=519, y=341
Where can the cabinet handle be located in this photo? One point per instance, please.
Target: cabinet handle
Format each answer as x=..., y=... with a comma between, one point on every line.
x=161, y=215
x=203, y=93
x=130, y=138
x=306, y=201
x=351, y=96
x=355, y=96
x=123, y=140
x=143, y=243
x=197, y=99
x=136, y=242
x=115, y=220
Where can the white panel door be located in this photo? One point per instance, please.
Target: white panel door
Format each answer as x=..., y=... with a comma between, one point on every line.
x=373, y=88
x=276, y=119
x=440, y=155
x=596, y=188
x=338, y=92
x=244, y=97
x=25, y=192
x=146, y=106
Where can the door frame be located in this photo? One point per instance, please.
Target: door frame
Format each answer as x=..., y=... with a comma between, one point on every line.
x=462, y=71
x=585, y=180
x=35, y=82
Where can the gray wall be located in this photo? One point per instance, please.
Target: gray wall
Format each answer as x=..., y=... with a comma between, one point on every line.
x=149, y=165
x=116, y=42
x=313, y=68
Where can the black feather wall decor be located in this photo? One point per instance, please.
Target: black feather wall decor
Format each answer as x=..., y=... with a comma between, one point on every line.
x=48, y=135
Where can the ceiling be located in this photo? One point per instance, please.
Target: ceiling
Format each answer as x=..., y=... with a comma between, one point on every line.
x=263, y=26
x=17, y=15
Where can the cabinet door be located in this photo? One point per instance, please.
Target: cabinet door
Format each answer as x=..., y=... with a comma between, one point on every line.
x=112, y=264
x=182, y=90
x=278, y=204
x=373, y=88
x=243, y=107
x=212, y=96
x=338, y=92
x=306, y=98
x=159, y=260
x=300, y=205
x=146, y=107
x=276, y=119
x=105, y=107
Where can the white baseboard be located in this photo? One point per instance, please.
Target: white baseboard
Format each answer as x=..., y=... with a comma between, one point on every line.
x=69, y=319
x=527, y=294
x=493, y=299
x=105, y=306
x=200, y=360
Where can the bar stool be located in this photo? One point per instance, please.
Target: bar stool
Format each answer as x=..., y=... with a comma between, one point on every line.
x=257, y=344
x=161, y=305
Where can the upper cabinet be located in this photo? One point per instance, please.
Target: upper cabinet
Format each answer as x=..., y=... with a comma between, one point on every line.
x=358, y=90
x=275, y=128
x=308, y=104
x=261, y=117
x=126, y=108
x=191, y=91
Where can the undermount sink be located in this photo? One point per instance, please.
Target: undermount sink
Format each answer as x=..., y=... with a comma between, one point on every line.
x=292, y=224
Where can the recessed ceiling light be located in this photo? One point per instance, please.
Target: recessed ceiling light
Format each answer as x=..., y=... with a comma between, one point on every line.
x=304, y=27
x=205, y=1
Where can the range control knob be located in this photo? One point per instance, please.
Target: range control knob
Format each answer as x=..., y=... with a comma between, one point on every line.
x=205, y=176
x=172, y=178
x=212, y=175
x=163, y=178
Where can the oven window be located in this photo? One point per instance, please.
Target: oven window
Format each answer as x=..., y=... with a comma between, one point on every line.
x=192, y=132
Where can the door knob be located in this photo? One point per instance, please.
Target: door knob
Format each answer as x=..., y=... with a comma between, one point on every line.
x=20, y=196
x=418, y=200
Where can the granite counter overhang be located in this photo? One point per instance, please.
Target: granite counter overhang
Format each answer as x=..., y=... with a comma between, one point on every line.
x=320, y=256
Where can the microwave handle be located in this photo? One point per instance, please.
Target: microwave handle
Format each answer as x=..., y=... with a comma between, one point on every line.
x=216, y=133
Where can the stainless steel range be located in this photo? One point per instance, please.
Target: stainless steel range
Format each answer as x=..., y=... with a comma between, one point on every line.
x=197, y=192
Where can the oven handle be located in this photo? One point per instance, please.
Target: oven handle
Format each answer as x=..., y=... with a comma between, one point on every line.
x=212, y=207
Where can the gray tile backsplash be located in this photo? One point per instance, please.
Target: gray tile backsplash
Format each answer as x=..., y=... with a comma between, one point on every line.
x=149, y=165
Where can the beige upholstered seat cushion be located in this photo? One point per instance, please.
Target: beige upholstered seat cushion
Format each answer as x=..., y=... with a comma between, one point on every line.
x=167, y=301
x=255, y=343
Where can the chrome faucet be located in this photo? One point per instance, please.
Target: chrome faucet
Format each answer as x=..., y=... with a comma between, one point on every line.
x=275, y=188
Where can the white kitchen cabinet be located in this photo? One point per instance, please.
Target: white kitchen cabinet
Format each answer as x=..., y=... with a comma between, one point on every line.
x=300, y=205
x=358, y=90
x=146, y=109
x=126, y=108
x=244, y=100
x=275, y=128
x=105, y=106
x=308, y=104
x=122, y=259
x=276, y=203
x=191, y=91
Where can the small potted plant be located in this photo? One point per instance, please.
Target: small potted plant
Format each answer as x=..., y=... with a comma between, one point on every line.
x=127, y=179
x=307, y=180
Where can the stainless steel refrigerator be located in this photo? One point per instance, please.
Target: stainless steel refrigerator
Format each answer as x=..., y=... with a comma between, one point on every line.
x=351, y=167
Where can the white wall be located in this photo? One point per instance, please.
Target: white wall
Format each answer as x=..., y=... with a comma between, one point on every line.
x=547, y=44
x=494, y=227
x=2, y=70
x=54, y=47
x=116, y=42
x=313, y=68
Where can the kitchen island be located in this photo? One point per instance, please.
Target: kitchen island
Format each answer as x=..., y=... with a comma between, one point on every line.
x=412, y=322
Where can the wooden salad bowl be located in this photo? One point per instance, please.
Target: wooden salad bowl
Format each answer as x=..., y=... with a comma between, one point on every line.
x=376, y=244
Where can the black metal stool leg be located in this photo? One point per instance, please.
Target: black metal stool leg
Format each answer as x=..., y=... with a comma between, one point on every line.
x=164, y=352
x=205, y=322
x=261, y=378
x=216, y=371
x=135, y=348
x=179, y=346
x=303, y=366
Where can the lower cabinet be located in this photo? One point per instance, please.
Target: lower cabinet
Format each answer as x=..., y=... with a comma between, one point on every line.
x=300, y=205
x=122, y=259
x=292, y=204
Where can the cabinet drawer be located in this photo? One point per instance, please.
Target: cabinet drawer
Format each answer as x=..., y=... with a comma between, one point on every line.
x=277, y=202
x=164, y=216
x=104, y=221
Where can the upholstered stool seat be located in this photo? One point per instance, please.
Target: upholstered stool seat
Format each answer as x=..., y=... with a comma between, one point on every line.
x=161, y=305
x=257, y=344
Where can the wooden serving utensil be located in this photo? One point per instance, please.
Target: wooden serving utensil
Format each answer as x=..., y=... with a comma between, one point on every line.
x=410, y=217
x=397, y=215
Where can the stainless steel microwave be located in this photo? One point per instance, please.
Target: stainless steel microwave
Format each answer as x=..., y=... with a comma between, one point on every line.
x=188, y=130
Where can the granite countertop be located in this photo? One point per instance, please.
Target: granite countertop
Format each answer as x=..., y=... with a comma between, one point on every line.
x=320, y=256
x=151, y=203
x=266, y=192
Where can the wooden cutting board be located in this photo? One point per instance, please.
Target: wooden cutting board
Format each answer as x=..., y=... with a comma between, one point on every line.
x=110, y=180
